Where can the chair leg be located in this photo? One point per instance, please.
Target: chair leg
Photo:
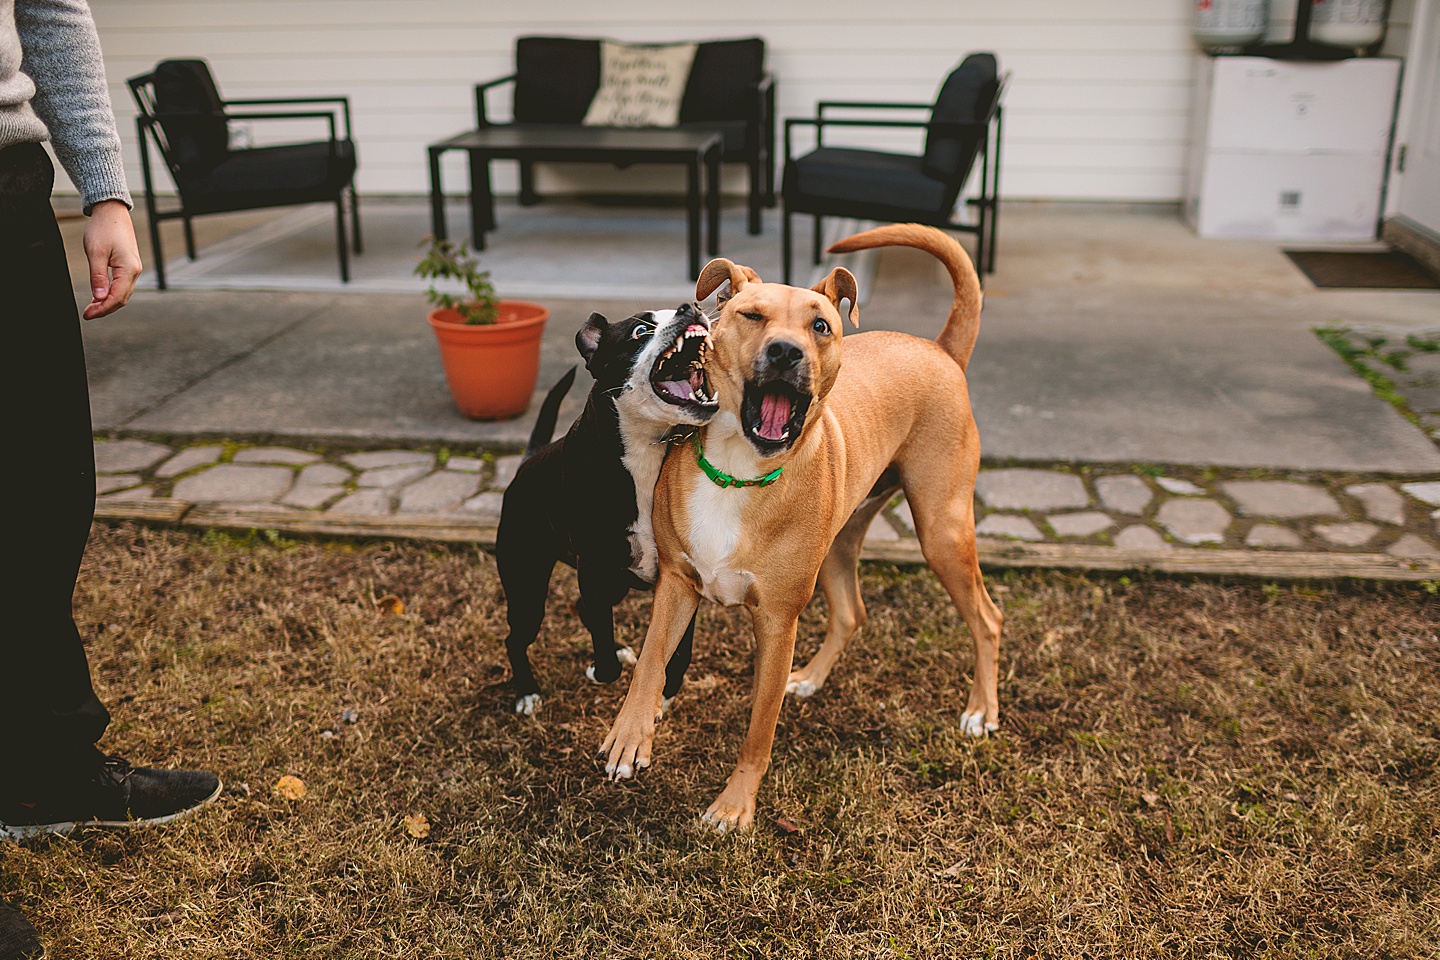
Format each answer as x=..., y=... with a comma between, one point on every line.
x=817, y=237
x=189, y=239
x=355, y=218
x=980, y=245
x=341, y=240
x=756, y=197
x=785, y=245
x=155, y=250
x=528, y=196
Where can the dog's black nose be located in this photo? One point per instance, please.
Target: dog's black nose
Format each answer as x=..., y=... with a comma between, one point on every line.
x=783, y=355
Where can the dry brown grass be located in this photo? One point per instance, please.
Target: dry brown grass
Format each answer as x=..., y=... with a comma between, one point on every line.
x=1185, y=768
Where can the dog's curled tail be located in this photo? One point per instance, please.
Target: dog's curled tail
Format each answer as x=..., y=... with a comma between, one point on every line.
x=963, y=324
x=544, y=428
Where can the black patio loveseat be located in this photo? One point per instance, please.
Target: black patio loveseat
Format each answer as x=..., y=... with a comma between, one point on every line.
x=728, y=92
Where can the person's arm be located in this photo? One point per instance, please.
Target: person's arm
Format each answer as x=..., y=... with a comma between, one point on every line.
x=62, y=56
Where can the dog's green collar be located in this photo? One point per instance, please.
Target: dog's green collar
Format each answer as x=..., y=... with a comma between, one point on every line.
x=723, y=479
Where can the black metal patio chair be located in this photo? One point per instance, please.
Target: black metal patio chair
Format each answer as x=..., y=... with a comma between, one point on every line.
x=964, y=124
x=181, y=110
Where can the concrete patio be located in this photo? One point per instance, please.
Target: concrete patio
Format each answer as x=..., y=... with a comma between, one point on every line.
x=1114, y=341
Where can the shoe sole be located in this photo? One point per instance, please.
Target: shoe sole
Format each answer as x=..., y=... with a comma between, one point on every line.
x=27, y=830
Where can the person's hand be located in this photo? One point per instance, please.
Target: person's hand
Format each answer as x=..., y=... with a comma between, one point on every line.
x=114, y=258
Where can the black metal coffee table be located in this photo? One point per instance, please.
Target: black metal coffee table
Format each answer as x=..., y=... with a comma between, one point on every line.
x=564, y=142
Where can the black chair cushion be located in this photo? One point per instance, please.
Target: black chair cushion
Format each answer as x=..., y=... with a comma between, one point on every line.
x=271, y=176
x=190, y=111
x=720, y=78
x=965, y=97
x=871, y=176
x=556, y=78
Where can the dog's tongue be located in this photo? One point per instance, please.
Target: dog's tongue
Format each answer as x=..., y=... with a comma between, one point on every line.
x=679, y=388
x=774, y=416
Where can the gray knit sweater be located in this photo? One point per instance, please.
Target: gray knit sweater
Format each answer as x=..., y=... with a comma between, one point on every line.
x=52, y=86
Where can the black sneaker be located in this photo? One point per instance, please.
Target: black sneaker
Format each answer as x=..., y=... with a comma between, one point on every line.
x=18, y=940
x=114, y=795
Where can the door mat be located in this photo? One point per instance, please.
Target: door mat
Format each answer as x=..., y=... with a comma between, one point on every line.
x=1385, y=270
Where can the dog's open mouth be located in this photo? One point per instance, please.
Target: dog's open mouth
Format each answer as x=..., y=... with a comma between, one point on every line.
x=678, y=376
x=773, y=414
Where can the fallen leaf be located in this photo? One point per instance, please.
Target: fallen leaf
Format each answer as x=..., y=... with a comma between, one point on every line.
x=390, y=605
x=786, y=826
x=417, y=826
x=1151, y=799
x=954, y=870
x=350, y=715
x=291, y=788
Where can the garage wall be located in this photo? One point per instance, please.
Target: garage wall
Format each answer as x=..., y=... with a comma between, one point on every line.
x=1098, y=106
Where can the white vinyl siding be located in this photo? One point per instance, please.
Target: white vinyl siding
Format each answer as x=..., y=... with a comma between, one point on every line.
x=1098, y=106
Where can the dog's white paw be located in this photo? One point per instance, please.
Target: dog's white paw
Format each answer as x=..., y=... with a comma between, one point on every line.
x=973, y=724
x=624, y=654
x=801, y=688
x=624, y=769
x=528, y=705
x=664, y=708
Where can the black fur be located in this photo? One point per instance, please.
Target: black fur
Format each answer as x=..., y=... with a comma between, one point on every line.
x=572, y=500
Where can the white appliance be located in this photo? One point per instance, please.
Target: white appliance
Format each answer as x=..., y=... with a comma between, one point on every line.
x=1290, y=149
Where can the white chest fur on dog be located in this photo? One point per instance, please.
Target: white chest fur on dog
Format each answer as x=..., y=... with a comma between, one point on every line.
x=715, y=518
x=644, y=454
x=713, y=535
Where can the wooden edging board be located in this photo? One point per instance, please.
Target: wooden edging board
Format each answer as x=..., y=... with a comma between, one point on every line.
x=1267, y=564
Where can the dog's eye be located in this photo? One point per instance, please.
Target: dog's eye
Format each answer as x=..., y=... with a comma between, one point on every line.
x=753, y=316
x=641, y=330
x=820, y=327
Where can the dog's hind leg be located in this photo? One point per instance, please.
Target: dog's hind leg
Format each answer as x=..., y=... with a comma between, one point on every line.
x=946, y=528
x=526, y=581
x=839, y=580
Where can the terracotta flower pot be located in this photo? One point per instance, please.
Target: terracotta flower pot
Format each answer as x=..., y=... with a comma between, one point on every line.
x=492, y=367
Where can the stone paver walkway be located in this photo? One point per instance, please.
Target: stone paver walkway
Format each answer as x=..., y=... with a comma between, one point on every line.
x=1095, y=516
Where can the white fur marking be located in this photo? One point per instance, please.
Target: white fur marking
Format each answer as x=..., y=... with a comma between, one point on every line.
x=974, y=725
x=644, y=421
x=715, y=513
x=527, y=705
x=801, y=688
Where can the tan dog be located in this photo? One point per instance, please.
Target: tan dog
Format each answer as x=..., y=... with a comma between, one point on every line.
x=842, y=440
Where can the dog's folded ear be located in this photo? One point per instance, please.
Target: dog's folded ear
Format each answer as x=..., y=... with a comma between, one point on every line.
x=717, y=273
x=588, y=339
x=841, y=285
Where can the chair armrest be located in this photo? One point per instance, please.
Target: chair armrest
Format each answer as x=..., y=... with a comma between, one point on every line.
x=819, y=123
x=761, y=119
x=868, y=105
x=344, y=103
x=327, y=115
x=481, y=120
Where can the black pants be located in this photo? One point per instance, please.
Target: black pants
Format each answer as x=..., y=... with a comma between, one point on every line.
x=50, y=717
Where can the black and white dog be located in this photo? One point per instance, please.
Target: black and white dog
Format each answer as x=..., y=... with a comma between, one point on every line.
x=575, y=499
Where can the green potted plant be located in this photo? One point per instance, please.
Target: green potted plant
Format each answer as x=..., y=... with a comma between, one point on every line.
x=489, y=347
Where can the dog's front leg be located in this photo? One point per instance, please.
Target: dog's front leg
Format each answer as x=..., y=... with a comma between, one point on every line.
x=627, y=747
x=775, y=632
x=599, y=593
